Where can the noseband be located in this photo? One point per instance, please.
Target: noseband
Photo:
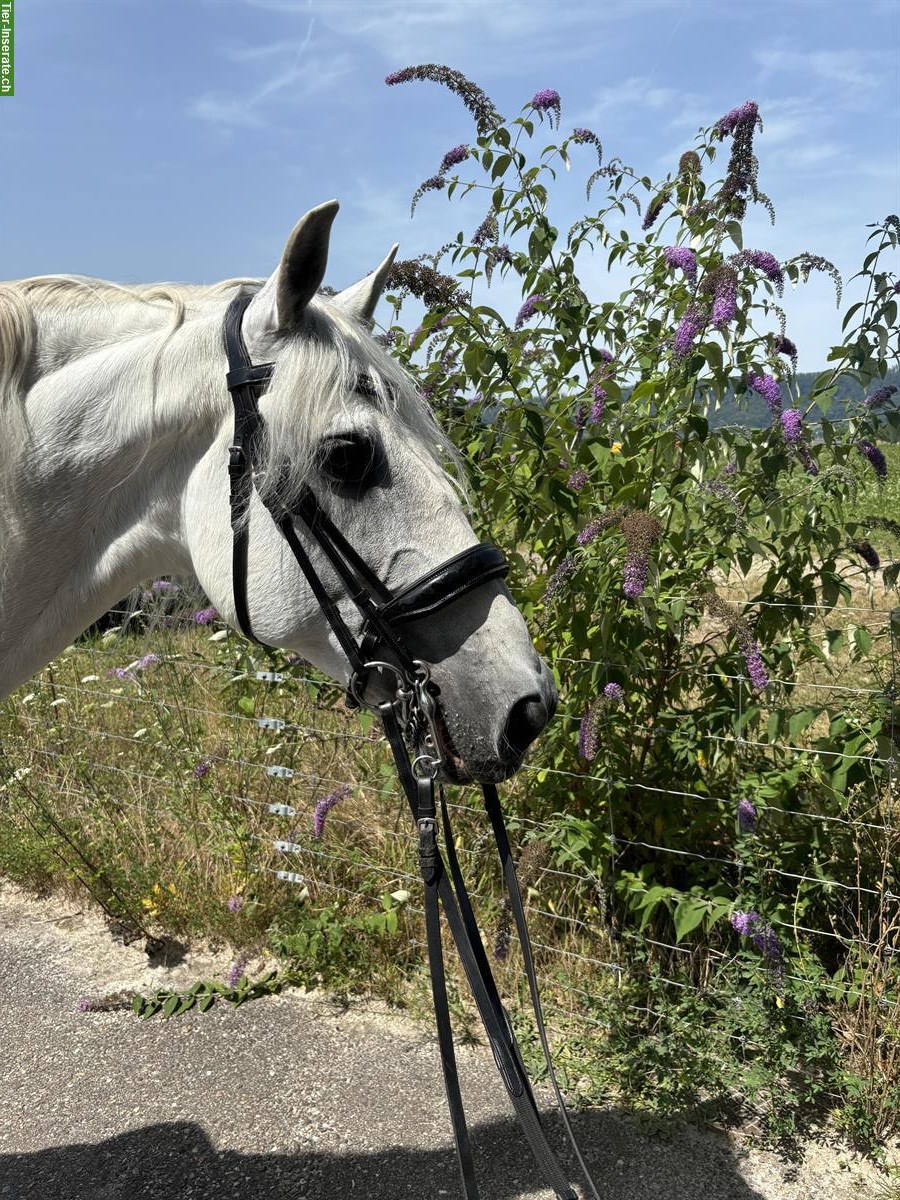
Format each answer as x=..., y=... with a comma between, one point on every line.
x=409, y=719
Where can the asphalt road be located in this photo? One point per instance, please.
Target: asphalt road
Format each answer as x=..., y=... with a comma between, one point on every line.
x=286, y=1097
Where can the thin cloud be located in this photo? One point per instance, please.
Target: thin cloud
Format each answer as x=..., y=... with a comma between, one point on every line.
x=301, y=77
x=508, y=35
x=857, y=70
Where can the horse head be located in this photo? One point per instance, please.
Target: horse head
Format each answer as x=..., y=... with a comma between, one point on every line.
x=342, y=421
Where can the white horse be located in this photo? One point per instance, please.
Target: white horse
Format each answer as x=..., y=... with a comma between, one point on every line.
x=115, y=424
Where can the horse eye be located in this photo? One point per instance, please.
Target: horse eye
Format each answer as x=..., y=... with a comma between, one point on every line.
x=349, y=458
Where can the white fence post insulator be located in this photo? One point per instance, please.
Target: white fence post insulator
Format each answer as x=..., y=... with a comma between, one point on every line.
x=269, y=677
x=275, y=723
x=288, y=847
x=280, y=772
x=282, y=810
x=290, y=877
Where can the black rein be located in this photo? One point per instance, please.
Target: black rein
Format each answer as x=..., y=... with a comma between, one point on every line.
x=408, y=718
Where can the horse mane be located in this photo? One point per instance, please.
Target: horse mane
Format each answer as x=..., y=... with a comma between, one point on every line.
x=320, y=363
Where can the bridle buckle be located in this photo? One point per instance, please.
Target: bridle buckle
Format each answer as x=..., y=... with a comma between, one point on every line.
x=237, y=460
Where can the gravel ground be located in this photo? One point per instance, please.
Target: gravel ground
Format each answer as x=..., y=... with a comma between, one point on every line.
x=289, y=1097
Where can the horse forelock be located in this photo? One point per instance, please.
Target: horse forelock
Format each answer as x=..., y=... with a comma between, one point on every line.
x=317, y=371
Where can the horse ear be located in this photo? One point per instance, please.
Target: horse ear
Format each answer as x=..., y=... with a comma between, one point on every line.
x=360, y=299
x=302, y=267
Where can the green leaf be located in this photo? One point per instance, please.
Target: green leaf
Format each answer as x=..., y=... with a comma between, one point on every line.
x=535, y=426
x=689, y=912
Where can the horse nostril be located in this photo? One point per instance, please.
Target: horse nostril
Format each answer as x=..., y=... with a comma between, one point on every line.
x=526, y=719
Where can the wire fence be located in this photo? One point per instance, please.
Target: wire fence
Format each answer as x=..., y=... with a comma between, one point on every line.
x=172, y=738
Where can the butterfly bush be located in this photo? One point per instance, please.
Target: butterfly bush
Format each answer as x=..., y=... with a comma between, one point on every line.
x=654, y=539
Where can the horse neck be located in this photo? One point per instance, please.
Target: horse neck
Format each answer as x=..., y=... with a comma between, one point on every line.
x=113, y=433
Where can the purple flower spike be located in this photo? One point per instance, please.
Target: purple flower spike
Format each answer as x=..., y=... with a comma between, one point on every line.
x=745, y=114
x=163, y=585
x=690, y=325
x=756, y=668
x=453, y=157
x=769, y=265
x=731, y=468
x=324, y=807
x=792, y=426
x=202, y=769
x=762, y=935
x=867, y=553
x=435, y=183
x=235, y=904
x=599, y=404
x=746, y=816
x=529, y=308
x=588, y=734
x=770, y=390
x=578, y=479
x=635, y=574
x=614, y=693
x=744, y=922
x=684, y=259
x=237, y=969
x=724, y=308
x=564, y=569
x=875, y=457
x=880, y=396
x=590, y=531
x=547, y=100
x=784, y=345
x=204, y=616
x=725, y=297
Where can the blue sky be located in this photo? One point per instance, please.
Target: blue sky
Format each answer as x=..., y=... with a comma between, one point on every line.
x=181, y=139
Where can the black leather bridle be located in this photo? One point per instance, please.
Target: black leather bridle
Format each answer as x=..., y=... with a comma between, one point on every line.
x=409, y=719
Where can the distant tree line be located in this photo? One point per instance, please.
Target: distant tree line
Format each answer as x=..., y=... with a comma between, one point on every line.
x=750, y=411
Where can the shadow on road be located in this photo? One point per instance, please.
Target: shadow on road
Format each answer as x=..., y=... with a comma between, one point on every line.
x=177, y=1161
